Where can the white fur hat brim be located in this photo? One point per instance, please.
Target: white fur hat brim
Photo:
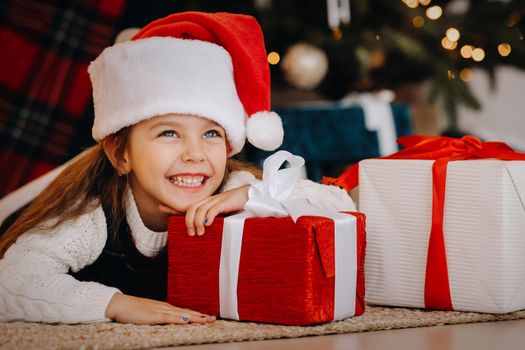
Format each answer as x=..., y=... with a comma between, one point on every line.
x=138, y=80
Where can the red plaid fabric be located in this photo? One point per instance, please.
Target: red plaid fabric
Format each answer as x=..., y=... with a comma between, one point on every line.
x=45, y=93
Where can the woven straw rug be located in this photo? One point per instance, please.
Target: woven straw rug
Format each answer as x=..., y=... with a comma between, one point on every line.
x=19, y=335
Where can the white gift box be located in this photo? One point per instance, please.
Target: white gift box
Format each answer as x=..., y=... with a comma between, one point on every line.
x=483, y=224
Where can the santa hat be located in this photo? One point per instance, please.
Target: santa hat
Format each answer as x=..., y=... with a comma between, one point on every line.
x=212, y=65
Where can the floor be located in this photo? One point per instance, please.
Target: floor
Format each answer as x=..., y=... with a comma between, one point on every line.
x=507, y=335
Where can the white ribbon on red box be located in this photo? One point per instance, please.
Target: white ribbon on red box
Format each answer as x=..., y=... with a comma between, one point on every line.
x=270, y=198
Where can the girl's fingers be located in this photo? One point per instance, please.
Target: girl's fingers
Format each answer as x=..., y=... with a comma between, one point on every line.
x=190, y=216
x=183, y=316
x=207, y=213
x=194, y=316
x=184, y=319
x=192, y=312
x=212, y=213
x=201, y=215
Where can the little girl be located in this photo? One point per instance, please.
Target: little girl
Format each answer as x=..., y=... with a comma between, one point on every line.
x=171, y=106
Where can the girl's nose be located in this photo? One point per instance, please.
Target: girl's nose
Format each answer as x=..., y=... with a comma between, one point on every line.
x=193, y=151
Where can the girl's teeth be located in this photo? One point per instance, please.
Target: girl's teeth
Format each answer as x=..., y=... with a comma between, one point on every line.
x=187, y=181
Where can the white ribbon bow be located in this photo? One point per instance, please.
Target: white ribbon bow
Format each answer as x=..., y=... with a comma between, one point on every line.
x=271, y=198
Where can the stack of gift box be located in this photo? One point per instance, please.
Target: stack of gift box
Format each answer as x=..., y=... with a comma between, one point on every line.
x=330, y=134
x=445, y=224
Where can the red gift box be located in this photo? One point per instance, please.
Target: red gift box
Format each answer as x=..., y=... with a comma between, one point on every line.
x=286, y=272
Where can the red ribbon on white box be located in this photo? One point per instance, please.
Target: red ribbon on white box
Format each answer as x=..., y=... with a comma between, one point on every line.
x=270, y=198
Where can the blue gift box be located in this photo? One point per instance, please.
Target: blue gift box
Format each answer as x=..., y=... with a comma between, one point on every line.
x=328, y=135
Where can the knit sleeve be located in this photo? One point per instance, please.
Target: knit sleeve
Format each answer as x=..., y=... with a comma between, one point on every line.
x=34, y=281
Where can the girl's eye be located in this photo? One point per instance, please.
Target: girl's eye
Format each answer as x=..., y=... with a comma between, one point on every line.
x=169, y=133
x=211, y=133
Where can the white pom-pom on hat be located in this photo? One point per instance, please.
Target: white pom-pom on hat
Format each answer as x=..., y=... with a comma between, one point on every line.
x=264, y=130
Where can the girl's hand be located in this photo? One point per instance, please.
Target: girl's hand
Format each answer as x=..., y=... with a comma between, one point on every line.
x=202, y=213
x=129, y=309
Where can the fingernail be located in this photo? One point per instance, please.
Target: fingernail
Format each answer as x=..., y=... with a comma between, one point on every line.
x=200, y=232
x=191, y=232
x=206, y=221
x=184, y=319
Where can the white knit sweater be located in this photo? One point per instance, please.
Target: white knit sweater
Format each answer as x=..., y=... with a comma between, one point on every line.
x=34, y=281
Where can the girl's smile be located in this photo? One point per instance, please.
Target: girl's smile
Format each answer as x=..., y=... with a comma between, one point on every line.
x=188, y=180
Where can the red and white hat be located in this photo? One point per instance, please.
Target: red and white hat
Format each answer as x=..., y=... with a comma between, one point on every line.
x=212, y=65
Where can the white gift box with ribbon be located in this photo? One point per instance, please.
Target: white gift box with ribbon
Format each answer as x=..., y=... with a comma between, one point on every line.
x=484, y=232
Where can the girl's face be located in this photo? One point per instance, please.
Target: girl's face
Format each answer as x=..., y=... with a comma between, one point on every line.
x=175, y=160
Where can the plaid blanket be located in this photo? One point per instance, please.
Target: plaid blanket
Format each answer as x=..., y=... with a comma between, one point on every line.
x=45, y=93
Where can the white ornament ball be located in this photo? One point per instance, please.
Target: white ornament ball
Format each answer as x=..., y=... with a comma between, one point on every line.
x=304, y=66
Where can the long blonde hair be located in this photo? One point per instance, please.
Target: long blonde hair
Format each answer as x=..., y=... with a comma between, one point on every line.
x=89, y=181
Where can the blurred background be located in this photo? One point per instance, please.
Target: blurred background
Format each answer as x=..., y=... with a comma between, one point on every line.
x=348, y=76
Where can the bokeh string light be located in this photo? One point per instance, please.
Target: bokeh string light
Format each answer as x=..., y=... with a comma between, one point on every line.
x=274, y=58
x=478, y=54
x=465, y=74
x=504, y=49
x=466, y=51
x=411, y=3
x=418, y=21
x=434, y=12
x=415, y=3
x=448, y=44
x=452, y=34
